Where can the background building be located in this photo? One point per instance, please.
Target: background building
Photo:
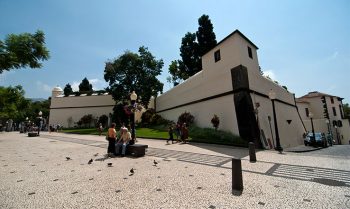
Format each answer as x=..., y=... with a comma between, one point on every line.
x=327, y=115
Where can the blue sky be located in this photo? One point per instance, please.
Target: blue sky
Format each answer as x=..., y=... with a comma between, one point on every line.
x=304, y=45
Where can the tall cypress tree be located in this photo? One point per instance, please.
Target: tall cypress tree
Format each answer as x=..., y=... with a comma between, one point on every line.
x=85, y=86
x=205, y=35
x=67, y=90
x=190, y=56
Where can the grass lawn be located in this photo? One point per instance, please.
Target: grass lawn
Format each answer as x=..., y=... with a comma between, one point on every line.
x=140, y=132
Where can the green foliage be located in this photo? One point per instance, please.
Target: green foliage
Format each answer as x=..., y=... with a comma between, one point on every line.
x=209, y=135
x=23, y=50
x=85, y=87
x=86, y=120
x=150, y=118
x=67, y=90
x=103, y=119
x=13, y=105
x=191, y=51
x=187, y=118
x=119, y=114
x=134, y=72
x=205, y=35
x=346, y=109
x=215, y=121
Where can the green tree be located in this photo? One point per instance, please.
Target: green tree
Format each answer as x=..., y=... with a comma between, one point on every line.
x=189, y=52
x=67, y=90
x=23, y=50
x=85, y=87
x=193, y=47
x=205, y=35
x=346, y=109
x=134, y=72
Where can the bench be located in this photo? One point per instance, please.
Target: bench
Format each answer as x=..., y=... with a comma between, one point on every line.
x=32, y=134
x=136, y=150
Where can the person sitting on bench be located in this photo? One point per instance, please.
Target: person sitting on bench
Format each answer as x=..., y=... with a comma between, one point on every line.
x=123, y=141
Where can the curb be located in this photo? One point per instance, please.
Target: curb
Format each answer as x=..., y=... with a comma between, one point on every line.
x=301, y=151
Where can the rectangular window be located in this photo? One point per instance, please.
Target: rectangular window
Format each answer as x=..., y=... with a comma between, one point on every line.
x=307, y=112
x=250, y=53
x=217, y=56
x=334, y=111
x=332, y=100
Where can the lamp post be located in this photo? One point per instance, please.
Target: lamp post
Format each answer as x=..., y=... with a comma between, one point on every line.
x=313, y=140
x=133, y=97
x=272, y=96
x=330, y=135
x=336, y=132
x=39, y=121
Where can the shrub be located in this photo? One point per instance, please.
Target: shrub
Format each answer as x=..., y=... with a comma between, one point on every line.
x=147, y=116
x=187, y=118
x=215, y=121
x=209, y=135
x=103, y=119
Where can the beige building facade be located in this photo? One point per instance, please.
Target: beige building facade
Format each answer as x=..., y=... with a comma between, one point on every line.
x=231, y=86
x=327, y=115
x=68, y=110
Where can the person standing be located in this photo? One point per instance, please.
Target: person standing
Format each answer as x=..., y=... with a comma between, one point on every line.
x=100, y=129
x=184, y=133
x=178, y=131
x=171, y=136
x=112, y=134
x=123, y=142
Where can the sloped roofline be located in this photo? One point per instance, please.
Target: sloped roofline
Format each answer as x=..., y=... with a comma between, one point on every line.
x=239, y=33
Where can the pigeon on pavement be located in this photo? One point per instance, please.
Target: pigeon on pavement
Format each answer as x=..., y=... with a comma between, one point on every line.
x=109, y=164
x=68, y=158
x=90, y=161
x=132, y=171
x=155, y=163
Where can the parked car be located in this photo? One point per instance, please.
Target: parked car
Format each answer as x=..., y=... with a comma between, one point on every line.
x=320, y=139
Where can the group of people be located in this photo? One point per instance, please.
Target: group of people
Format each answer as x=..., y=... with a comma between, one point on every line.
x=181, y=132
x=118, y=142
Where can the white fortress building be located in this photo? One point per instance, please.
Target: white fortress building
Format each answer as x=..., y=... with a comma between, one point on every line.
x=230, y=85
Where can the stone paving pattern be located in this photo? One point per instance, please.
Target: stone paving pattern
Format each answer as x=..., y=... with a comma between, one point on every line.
x=36, y=174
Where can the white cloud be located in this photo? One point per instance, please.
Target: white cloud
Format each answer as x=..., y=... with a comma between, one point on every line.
x=43, y=87
x=270, y=74
x=75, y=86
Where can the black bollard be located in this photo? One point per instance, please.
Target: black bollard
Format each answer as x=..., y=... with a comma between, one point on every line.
x=237, y=179
x=252, y=156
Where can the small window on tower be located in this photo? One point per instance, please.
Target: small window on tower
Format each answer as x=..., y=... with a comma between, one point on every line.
x=217, y=56
x=250, y=53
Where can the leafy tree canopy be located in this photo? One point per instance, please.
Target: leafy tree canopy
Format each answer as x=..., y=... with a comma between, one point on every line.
x=346, y=110
x=134, y=72
x=85, y=86
x=205, y=35
x=13, y=105
x=23, y=50
x=193, y=47
x=68, y=90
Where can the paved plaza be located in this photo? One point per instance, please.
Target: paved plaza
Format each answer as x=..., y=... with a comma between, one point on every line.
x=36, y=174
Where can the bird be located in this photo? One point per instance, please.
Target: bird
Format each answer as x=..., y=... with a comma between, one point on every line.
x=109, y=164
x=155, y=163
x=96, y=154
x=132, y=171
x=90, y=161
x=68, y=158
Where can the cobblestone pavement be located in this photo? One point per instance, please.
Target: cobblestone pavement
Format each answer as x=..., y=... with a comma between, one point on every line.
x=35, y=173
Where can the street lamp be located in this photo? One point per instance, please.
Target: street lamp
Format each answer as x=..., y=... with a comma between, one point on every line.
x=313, y=140
x=330, y=135
x=133, y=98
x=336, y=132
x=272, y=96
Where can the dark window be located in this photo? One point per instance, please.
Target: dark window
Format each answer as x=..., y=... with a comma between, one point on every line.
x=334, y=111
x=250, y=53
x=217, y=56
x=307, y=112
x=332, y=100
